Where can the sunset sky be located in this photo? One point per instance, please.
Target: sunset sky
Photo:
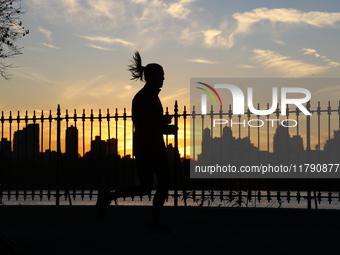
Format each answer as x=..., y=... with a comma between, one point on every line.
x=77, y=51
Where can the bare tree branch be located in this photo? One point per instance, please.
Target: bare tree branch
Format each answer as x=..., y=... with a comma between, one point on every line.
x=11, y=30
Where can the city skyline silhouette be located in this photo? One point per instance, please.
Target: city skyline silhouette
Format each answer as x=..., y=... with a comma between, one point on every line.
x=19, y=143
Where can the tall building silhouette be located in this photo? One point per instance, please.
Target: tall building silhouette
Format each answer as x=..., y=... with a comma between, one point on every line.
x=103, y=148
x=72, y=141
x=226, y=149
x=230, y=150
x=332, y=148
x=281, y=141
x=297, y=143
x=287, y=148
x=5, y=147
x=111, y=146
x=26, y=141
x=98, y=147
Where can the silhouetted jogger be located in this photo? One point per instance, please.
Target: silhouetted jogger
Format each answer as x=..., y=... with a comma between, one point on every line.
x=148, y=144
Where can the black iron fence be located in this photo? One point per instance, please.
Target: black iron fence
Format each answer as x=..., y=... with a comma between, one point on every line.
x=71, y=155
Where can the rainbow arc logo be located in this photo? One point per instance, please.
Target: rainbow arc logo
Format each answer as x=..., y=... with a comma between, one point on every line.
x=211, y=92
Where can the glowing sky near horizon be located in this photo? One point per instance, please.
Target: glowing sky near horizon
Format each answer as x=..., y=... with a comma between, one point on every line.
x=77, y=52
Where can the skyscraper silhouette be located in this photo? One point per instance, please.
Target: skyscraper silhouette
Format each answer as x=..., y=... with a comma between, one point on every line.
x=5, y=147
x=72, y=141
x=98, y=147
x=332, y=148
x=26, y=141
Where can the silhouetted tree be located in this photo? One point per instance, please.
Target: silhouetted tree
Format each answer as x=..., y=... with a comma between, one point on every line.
x=11, y=29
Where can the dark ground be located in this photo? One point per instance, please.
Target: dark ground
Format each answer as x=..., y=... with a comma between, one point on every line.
x=78, y=230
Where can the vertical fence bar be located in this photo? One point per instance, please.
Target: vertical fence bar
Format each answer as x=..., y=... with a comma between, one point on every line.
x=34, y=155
x=17, y=158
x=319, y=129
x=41, y=156
x=167, y=135
x=319, y=145
x=91, y=155
x=58, y=156
x=193, y=143
x=134, y=165
x=268, y=144
x=116, y=160
x=107, y=183
x=329, y=112
x=10, y=158
x=211, y=153
x=308, y=148
x=74, y=154
x=66, y=168
x=25, y=157
x=288, y=136
x=124, y=142
x=175, y=156
x=185, y=161
x=101, y=151
x=2, y=156
x=83, y=117
x=202, y=137
x=221, y=146
x=49, y=155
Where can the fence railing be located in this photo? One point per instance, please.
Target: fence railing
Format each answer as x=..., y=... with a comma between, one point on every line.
x=73, y=155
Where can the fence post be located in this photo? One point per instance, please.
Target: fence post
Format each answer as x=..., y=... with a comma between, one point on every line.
x=58, y=156
x=176, y=156
x=309, y=198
